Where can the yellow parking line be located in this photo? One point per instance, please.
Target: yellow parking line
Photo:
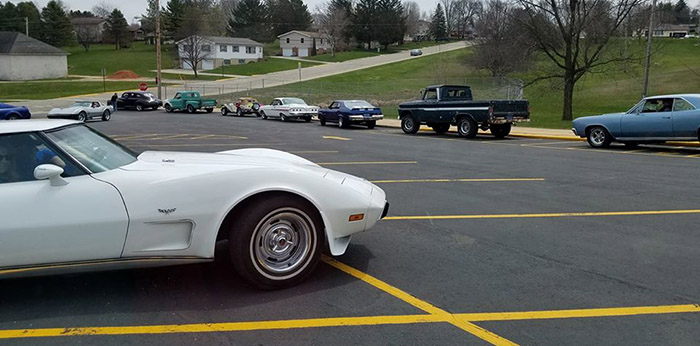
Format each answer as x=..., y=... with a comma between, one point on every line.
x=547, y=215
x=423, y=305
x=366, y=163
x=475, y=180
x=201, y=137
x=203, y=145
x=167, y=137
x=127, y=137
x=338, y=138
x=579, y=313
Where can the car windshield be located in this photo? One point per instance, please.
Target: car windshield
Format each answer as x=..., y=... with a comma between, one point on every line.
x=293, y=101
x=92, y=149
x=82, y=104
x=149, y=95
x=358, y=104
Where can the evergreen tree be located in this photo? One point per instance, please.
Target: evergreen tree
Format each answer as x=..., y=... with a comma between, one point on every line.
x=9, y=20
x=148, y=19
x=347, y=12
x=682, y=12
x=249, y=19
x=365, y=21
x=56, y=28
x=393, y=27
x=116, y=30
x=288, y=15
x=27, y=9
x=438, y=27
x=172, y=17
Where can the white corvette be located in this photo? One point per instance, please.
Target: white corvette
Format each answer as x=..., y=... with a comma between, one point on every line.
x=83, y=111
x=81, y=201
x=287, y=108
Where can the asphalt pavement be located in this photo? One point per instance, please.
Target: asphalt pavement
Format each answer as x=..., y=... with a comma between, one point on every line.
x=515, y=241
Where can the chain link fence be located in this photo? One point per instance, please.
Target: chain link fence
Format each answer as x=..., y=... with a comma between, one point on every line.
x=382, y=93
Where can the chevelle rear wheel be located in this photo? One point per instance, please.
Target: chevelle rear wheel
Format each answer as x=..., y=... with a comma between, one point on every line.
x=598, y=137
x=276, y=243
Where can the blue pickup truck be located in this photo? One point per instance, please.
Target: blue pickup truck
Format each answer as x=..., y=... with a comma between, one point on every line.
x=441, y=106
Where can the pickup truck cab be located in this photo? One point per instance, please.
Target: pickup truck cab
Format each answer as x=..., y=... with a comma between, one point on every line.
x=441, y=106
x=190, y=101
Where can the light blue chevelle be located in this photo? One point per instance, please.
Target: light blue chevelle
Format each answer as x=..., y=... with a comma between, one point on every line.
x=654, y=119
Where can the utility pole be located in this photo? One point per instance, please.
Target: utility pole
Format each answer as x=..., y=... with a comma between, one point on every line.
x=158, y=65
x=647, y=63
x=26, y=26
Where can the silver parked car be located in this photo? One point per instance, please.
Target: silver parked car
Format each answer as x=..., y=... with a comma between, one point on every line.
x=83, y=111
x=416, y=52
x=654, y=119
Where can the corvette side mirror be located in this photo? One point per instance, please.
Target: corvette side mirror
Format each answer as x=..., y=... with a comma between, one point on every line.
x=50, y=172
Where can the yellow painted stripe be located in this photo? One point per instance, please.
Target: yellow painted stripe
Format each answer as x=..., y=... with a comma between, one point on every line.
x=423, y=305
x=366, y=163
x=202, y=145
x=166, y=137
x=579, y=313
x=338, y=138
x=202, y=137
x=515, y=216
x=221, y=327
x=476, y=180
x=127, y=137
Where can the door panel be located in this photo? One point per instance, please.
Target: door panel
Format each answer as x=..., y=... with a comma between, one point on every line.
x=686, y=119
x=84, y=220
x=653, y=120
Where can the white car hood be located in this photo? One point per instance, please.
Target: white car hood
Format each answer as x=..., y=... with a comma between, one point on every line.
x=66, y=110
x=202, y=163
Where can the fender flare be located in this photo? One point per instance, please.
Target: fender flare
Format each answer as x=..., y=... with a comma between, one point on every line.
x=587, y=127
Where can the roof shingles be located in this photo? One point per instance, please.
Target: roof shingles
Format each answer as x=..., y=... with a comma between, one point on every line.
x=14, y=43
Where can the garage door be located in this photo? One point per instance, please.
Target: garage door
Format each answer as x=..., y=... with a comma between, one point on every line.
x=186, y=65
x=303, y=52
x=287, y=52
x=207, y=64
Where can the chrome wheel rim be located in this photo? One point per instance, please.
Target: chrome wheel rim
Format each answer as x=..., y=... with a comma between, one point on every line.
x=107, y=115
x=597, y=136
x=340, y=122
x=139, y=108
x=464, y=127
x=82, y=117
x=408, y=124
x=282, y=243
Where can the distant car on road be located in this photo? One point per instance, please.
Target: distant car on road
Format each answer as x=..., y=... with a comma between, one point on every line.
x=244, y=105
x=443, y=105
x=416, y=52
x=10, y=112
x=190, y=101
x=287, y=108
x=83, y=111
x=138, y=100
x=654, y=119
x=102, y=206
x=349, y=112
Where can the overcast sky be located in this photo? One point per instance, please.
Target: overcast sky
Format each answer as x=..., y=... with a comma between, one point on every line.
x=134, y=8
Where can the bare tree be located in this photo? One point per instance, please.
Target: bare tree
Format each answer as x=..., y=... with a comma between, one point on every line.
x=333, y=22
x=574, y=35
x=465, y=12
x=502, y=47
x=87, y=35
x=449, y=7
x=411, y=12
x=102, y=9
x=194, y=47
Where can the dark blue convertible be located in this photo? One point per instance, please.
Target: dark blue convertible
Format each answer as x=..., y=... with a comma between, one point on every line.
x=10, y=112
x=654, y=119
x=348, y=112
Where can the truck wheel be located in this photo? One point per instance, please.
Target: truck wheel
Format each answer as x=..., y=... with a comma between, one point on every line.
x=598, y=137
x=409, y=125
x=209, y=110
x=371, y=124
x=322, y=120
x=467, y=127
x=441, y=128
x=500, y=130
x=190, y=109
x=168, y=108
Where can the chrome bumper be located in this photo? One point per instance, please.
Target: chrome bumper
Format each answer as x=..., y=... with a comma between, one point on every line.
x=364, y=118
x=574, y=130
x=500, y=120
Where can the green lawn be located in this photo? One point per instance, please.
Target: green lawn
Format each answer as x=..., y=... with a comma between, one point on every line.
x=266, y=66
x=360, y=53
x=48, y=90
x=386, y=86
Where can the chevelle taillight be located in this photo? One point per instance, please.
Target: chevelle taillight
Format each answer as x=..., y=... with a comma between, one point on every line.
x=491, y=111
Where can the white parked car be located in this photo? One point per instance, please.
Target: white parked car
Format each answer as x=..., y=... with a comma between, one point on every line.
x=287, y=108
x=83, y=111
x=81, y=201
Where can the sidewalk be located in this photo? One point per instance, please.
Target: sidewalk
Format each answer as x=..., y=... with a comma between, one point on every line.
x=517, y=131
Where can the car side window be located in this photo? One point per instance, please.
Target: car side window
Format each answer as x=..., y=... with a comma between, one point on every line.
x=177, y=96
x=333, y=105
x=431, y=94
x=680, y=105
x=658, y=105
x=21, y=153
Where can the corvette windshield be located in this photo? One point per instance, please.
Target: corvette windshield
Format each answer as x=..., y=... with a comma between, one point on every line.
x=92, y=149
x=81, y=104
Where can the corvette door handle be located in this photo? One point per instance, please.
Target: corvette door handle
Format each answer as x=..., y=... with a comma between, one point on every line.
x=666, y=117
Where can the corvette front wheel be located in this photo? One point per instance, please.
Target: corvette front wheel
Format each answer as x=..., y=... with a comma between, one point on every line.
x=276, y=242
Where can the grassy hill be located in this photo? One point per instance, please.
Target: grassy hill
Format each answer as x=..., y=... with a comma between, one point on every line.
x=676, y=69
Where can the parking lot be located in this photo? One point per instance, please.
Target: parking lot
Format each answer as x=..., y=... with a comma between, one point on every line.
x=515, y=241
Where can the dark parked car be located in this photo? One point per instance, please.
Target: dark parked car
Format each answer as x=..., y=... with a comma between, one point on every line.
x=443, y=105
x=138, y=100
x=10, y=112
x=348, y=112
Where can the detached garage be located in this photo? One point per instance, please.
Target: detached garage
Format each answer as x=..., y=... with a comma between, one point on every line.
x=25, y=58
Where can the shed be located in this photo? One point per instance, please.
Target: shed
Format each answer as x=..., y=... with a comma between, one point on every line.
x=26, y=58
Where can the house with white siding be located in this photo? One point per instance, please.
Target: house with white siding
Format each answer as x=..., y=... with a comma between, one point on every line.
x=26, y=58
x=301, y=43
x=219, y=50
